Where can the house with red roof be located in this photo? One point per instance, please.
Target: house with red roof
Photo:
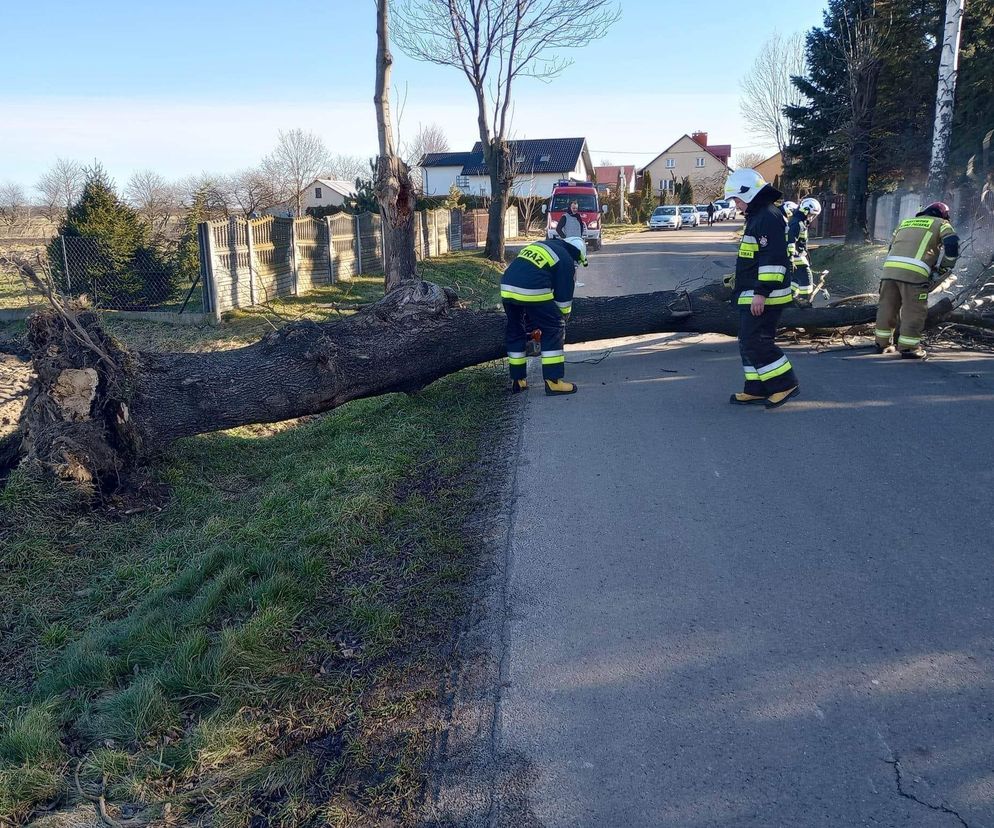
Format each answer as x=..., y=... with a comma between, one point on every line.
x=691, y=156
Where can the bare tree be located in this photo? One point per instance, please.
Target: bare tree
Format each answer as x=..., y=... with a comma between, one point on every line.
x=298, y=159
x=393, y=186
x=767, y=89
x=428, y=139
x=493, y=43
x=214, y=190
x=945, y=97
x=749, y=160
x=253, y=191
x=14, y=207
x=60, y=187
x=347, y=168
x=155, y=199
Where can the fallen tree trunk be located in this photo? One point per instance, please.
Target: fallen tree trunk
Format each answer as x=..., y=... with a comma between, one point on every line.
x=96, y=409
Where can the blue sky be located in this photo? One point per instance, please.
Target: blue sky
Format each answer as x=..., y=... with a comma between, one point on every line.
x=183, y=87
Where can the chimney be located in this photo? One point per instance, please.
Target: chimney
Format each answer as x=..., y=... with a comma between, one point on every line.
x=701, y=138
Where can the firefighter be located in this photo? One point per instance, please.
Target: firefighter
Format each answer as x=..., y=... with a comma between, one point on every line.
x=788, y=208
x=797, y=246
x=540, y=283
x=923, y=248
x=761, y=291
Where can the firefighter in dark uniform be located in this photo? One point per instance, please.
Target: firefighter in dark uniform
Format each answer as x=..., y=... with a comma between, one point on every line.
x=923, y=248
x=761, y=291
x=797, y=246
x=539, y=283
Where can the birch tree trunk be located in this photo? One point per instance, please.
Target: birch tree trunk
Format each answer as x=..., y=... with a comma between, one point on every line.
x=945, y=96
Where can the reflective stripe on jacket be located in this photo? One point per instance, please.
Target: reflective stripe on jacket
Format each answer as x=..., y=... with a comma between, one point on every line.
x=916, y=247
x=542, y=272
x=762, y=264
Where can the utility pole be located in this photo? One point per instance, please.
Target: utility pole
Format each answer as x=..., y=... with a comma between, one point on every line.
x=945, y=96
x=622, y=190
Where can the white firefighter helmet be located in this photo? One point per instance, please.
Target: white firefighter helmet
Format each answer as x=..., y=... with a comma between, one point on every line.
x=790, y=207
x=811, y=207
x=744, y=184
x=579, y=244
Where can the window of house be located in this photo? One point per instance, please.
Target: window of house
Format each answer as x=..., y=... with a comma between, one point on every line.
x=317, y=192
x=670, y=163
x=701, y=162
x=545, y=159
x=519, y=160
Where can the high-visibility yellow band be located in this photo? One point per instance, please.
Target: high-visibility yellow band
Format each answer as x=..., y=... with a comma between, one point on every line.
x=882, y=333
x=771, y=277
x=906, y=266
x=908, y=340
x=524, y=297
x=776, y=372
x=552, y=360
x=518, y=360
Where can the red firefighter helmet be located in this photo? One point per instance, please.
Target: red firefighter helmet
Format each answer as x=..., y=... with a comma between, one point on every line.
x=939, y=209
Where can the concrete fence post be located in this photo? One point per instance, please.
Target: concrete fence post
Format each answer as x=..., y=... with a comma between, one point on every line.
x=250, y=243
x=293, y=255
x=358, y=246
x=331, y=252
x=207, y=273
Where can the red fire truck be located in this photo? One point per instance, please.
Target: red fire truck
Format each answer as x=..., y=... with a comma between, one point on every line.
x=584, y=193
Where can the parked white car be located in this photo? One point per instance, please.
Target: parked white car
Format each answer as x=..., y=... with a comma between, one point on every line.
x=689, y=215
x=727, y=209
x=665, y=218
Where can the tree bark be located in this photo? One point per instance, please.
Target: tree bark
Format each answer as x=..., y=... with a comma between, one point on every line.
x=96, y=410
x=859, y=159
x=501, y=181
x=394, y=188
x=945, y=96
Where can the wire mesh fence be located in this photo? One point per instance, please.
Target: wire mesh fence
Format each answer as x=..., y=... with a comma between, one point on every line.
x=143, y=279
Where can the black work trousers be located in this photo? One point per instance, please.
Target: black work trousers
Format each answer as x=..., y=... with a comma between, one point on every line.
x=551, y=321
x=767, y=369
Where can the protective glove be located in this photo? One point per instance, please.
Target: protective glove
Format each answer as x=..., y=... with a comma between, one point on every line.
x=729, y=281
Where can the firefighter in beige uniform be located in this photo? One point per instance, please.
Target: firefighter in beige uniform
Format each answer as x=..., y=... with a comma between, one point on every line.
x=923, y=247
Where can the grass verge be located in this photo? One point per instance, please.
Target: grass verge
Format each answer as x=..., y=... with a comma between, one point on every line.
x=854, y=268
x=265, y=650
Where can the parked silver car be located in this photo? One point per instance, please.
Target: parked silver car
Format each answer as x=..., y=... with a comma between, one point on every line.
x=665, y=218
x=727, y=209
x=689, y=215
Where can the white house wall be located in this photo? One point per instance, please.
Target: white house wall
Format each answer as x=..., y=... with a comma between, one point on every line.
x=329, y=198
x=439, y=180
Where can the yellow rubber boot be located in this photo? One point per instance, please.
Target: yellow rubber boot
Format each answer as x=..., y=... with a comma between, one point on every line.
x=555, y=388
x=517, y=386
x=745, y=399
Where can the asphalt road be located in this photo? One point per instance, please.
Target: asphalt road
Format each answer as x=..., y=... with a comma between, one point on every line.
x=720, y=616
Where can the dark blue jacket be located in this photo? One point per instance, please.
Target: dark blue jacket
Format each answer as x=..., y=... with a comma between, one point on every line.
x=762, y=266
x=542, y=272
